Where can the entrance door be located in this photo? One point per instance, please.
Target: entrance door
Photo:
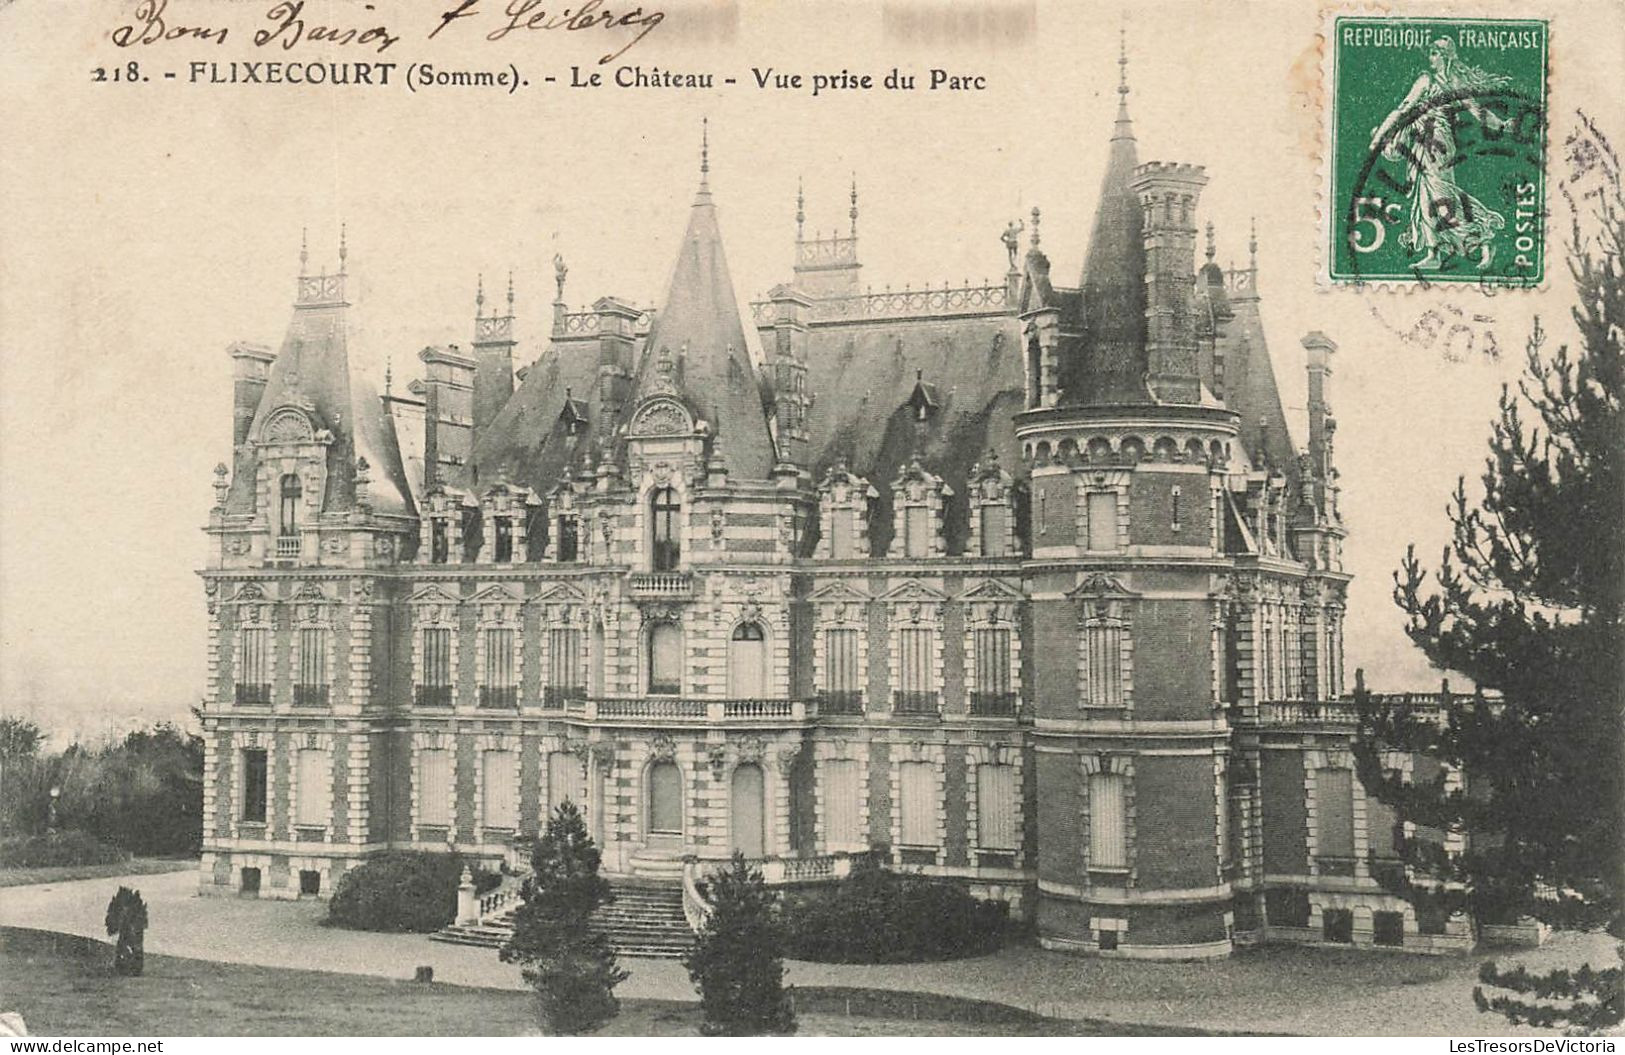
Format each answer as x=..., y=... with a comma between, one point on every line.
x=665, y=799
x=747, y=811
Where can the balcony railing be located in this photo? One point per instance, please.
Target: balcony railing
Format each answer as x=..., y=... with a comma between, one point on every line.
x=848, y=701
x=310, y=695
x=993, y=704
x=660, y=584
x=914, y=703
x=687, y=709
x=558, y=697
x=253, y=694
x=499, y=696
x=433, y=695
x=287, y=546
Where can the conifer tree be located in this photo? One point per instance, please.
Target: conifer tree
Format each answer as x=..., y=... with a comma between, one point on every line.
x=564, y=957
x=1527, y=602
x=737, y=963
x=127, y=918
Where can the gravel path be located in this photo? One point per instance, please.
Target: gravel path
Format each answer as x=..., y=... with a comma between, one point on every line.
x=1282, y=989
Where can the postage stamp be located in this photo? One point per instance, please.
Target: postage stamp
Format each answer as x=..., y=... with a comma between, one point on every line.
x=1437, y=152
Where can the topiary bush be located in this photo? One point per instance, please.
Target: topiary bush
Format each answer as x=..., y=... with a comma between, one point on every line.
x=57, y=849
x=876, y=916
x=403, y=891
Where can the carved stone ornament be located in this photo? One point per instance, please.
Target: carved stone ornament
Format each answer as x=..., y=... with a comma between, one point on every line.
x=383, y=546
x=602, y=753
x=287, y=425
x=788, y=753
x=335, y=544
x=238, y=546
x=313, y=741
x=717, y=757
x=751, y=749
x=662, y=418
x=750, y=613
x=716, y=525
x=662, y=748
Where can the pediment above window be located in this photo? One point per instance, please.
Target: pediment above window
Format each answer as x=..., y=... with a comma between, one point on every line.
x=662, y=416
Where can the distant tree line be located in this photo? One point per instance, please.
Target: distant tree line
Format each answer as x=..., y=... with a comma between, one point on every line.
x=143, y=794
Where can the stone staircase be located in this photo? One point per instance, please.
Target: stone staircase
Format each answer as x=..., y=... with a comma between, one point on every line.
x=645, y=919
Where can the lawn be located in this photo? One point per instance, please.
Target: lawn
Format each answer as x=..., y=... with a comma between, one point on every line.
x=62, y=985
x=64, y=873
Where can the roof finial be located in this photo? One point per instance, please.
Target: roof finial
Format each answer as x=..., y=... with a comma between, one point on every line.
x=705, y=152
x=1035, y=227
x=801, y=208
x=479, y=296
x=1122, y=76
x=510, y=293
x=344, y=245
x=304, y=249
x=1252, y=245
x=1210, y=247
x=854, y=212
x=389, y=373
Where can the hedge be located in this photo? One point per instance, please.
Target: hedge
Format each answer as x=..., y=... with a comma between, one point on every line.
x=56, y=849
x=403, y=891
x=876, y=916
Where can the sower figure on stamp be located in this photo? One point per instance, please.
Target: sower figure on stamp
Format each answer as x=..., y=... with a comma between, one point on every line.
x=1443, y=217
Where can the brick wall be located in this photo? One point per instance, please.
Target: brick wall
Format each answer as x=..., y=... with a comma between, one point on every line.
x=1176, y=810
x=1055, y=644
x=1060, y=831
x=1173, y=678
x=953, y=794
x=1285, y=814
x=880, y=805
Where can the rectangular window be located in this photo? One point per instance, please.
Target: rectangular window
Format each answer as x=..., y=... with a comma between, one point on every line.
x=434, y=689
x=1102, y=513
x=434, y=787
x=439, y=541
x=564, y=673
x=254, y=667
x=254, y=784
x=665, y=659
x=498, y=790
x=842, y=791
x=917, y=531
x=569, y=543
x=993, y=693
x=843, y=534
x=843, y=693
x=500, y=689
x=311, y=690
x=1334, y=812
x=1103, y=663
x=917, y=790
x=916, y=687
x=995, y=530
x=996, y=807
x=564, y=780
x=1108, y=822
x=503, y=540
x=315, y=776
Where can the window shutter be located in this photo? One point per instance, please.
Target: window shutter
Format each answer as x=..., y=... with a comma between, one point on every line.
x=1102, y=512
x=1108, y=822
x=564, y=780
x=499, y=808
x=1334, y=809
x=843, y=785
x=918, y=782
x=434, y=789
x=996, y=807
x=315, y=776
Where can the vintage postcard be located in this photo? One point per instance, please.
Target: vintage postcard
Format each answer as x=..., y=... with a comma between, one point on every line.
x=911, y=518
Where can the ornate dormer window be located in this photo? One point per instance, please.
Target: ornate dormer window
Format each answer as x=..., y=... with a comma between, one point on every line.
x=505, y=517
x=665, y=510
x=441, y=526
x=292, y=476
x=923, y=402
x=917, y=500
x=843, y=510
x=1106, y=649
x=993, y=528
x=565, y=521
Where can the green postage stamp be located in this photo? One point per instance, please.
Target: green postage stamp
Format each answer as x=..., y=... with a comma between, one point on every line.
x=1437, y=154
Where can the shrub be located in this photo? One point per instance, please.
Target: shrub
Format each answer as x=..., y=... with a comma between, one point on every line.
x=876, y=916
x=57, y=849
x=567, y=960
x=127, y=919
x=738, y=962
x=403, y=891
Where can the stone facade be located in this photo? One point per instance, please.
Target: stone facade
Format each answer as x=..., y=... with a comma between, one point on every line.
x=1017, y=584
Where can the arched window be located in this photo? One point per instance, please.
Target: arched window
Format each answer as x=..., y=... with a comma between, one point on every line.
x=667, y=533
x=665, y=659
x=747, y=661
x=292, y=490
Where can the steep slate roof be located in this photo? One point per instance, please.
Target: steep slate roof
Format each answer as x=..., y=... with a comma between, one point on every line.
x=699, y=325
x=527, y=441
x=1108, y=363
x=314, y=372
x=1250, y=389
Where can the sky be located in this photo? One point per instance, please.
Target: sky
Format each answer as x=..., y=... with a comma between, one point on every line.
x=150, y=225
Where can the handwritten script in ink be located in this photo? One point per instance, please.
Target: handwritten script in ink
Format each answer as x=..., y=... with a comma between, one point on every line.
x=290, y=24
